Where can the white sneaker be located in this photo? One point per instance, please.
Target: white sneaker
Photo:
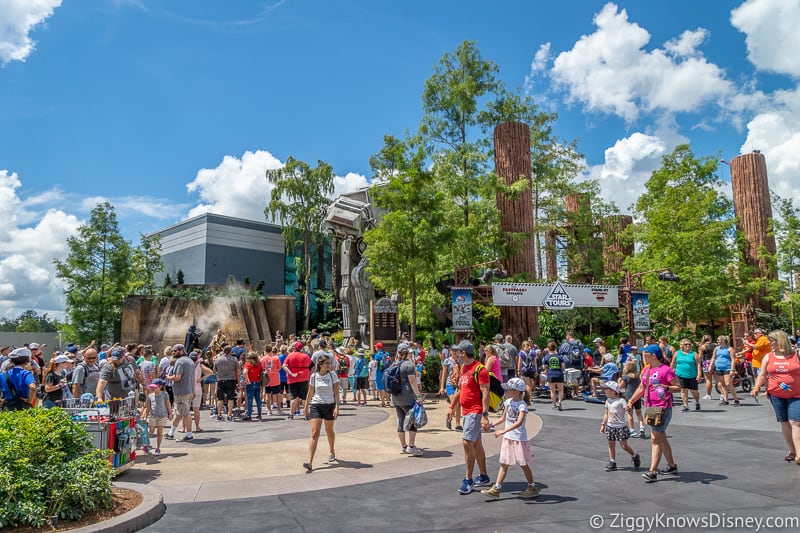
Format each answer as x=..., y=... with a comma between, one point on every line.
x=707, y=397
x=416, y=452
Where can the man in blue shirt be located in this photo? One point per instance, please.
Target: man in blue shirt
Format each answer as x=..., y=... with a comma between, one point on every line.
x=238, y=350
x=17, y=385
x=609, y=372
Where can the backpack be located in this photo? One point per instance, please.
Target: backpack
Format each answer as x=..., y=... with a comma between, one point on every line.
x=344, y=365
x=503, y=355
x=385, y=362
x=572, y=353
x=359, y=366
x=85, y=375
x=392, y=381
x=455, y=374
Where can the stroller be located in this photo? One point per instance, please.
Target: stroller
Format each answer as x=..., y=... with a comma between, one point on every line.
x=741, y=376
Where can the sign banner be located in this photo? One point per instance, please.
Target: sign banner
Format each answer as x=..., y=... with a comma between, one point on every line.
x=462, y=310
x=556, y=296
x=641, y=311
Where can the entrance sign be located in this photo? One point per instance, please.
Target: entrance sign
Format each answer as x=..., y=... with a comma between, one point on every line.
x=556, y=295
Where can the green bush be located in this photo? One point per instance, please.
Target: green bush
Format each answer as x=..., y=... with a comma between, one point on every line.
x=430, y=374
x=49, y=467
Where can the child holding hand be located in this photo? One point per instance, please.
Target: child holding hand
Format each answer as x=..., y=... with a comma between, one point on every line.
x=515, y=448
x=615, y=426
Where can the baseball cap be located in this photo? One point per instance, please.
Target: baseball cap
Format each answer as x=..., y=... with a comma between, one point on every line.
x=379, y=345
x=499, y=337
x=514, y=384
x=72, y=348
x=654, y=349
x=178, y=347
x=61, y=359
x=119, y=353
x=598, y=339
x=158, y=381
x=465, y=346
x=402, y=347
x=153, y=386
x=20, y=352
x=104, y=347
x=34, y=346
x=613, y=385
x=297, y=346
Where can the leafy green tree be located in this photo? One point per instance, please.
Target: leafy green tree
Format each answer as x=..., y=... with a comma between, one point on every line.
x=787, y=237
x=403, y=248
x=96, y=274
x=685, y=224
x=29, y=322
x=298, y=196
x=145, y=262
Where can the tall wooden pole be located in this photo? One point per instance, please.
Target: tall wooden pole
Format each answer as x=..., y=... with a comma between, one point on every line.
x=512, y=159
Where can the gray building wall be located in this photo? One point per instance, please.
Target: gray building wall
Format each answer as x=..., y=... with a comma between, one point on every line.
x=209, y=248
x=8, y=338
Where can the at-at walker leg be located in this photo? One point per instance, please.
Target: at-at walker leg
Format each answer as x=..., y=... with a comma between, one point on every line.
x=364, y=294
x=349, y=309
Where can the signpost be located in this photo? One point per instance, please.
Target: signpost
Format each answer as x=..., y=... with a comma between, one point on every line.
x=556, y=296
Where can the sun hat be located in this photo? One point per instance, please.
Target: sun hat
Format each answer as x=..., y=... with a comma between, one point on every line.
x=514, y=384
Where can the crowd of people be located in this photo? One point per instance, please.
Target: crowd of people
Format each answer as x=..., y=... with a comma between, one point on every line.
x=310, y=378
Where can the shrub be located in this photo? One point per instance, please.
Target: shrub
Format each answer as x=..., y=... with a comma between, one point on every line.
x=430, y=374
x=49, y=467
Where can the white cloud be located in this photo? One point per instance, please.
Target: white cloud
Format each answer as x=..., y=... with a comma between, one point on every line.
x=239, y=187
x=27, y=274
x=17, y=19
x=137, y=206
x=771, y=27
x=627, y=167
x=776, y=132
x=609, y=71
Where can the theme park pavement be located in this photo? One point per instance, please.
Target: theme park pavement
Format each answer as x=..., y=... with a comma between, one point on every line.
x=249, y=477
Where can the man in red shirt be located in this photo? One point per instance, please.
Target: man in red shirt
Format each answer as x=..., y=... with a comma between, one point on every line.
x=298, y=371
x=473, y=395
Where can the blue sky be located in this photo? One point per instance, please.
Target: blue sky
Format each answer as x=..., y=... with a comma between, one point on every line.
x=171, y=108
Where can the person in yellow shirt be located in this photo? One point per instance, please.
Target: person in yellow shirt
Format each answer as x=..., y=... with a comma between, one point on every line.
x=760, y=348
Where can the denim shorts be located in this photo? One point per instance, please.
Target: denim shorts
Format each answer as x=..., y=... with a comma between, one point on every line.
x=786, y=408
x=667, y=418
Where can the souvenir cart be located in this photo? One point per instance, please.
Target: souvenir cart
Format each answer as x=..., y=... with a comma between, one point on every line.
x=112, y=426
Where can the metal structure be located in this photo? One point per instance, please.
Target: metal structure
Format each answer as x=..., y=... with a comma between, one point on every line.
x=347, y=219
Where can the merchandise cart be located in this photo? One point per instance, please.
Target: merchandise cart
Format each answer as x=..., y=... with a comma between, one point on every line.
x=112, y=426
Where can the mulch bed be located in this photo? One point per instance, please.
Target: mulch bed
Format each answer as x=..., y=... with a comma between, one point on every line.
x=122, y=501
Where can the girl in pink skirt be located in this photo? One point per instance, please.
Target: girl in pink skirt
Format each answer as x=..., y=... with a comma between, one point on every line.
x=515, y=449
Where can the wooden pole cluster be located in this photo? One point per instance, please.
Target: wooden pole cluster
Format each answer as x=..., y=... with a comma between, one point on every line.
x=512, y=149
x=551, y=261
x=751, y=203
x=614, y=249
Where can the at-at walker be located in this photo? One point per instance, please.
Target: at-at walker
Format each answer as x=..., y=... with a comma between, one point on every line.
x=346, y=219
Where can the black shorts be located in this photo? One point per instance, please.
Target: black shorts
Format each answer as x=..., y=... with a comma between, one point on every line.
x=362, y=383
x=559, y=379
x=298, y=390
x=275, y=389
x=637, y=404
x=226, y=389
x=688, y=383
x=529, y=374
x=321, y=410
x=284, y=387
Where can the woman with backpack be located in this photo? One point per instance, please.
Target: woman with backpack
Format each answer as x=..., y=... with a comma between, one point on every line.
x=405, y=393
x=55, y=383
x=526, y=365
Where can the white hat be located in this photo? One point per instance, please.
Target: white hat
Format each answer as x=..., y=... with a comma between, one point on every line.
x=514, y=384
x=598, y=339
x=34, y=346
x=20, y=352
x=62, y=359
x=613, y=385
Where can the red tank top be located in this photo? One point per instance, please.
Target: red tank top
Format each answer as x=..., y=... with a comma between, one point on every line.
x=784, y=377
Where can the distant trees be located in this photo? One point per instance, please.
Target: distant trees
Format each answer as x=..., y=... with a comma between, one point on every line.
x=100, y=270
x=30, y=321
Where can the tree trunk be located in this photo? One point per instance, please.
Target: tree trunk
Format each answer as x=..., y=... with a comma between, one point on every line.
x=550, y=254
x=307, y=279
x=320, y=278
x=512, y=149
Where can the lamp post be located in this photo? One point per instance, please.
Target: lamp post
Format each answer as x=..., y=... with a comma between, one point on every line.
x=634, y=282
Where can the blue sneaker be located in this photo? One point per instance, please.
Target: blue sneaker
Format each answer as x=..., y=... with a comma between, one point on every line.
x=482, y=481
x=466, y=486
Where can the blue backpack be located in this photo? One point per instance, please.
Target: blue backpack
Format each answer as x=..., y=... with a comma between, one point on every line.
x=391, y=379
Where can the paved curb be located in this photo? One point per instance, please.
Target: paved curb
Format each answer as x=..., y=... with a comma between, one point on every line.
x=146, y=513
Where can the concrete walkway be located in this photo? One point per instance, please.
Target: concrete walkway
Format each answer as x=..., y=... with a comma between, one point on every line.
x=244, y=459
x=730, y=463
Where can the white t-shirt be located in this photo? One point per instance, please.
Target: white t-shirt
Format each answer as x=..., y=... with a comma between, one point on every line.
x=616, y=413
x=323, y=387
x=513, y=411
x=351, y=369
x=373, y=367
